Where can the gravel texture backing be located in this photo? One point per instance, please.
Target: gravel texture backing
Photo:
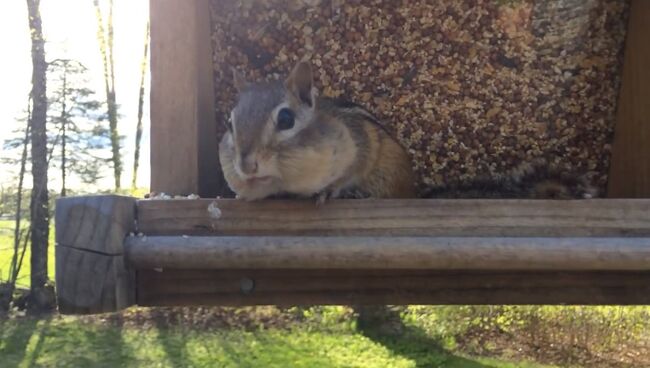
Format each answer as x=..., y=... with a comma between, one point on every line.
x=474, y=89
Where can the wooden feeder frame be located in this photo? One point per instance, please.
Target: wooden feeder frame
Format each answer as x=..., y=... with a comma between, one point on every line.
x=113, y=252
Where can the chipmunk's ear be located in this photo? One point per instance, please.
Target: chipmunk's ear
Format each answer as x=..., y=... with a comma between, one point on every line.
x=238, y=80
x=300, y=83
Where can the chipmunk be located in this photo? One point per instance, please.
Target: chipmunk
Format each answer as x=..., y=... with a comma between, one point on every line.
x=283, y=139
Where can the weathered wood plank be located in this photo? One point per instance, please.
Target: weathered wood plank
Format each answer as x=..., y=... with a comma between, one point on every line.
x=95, y=223
x=283, y=280
x=91, y=276
x=184, y=139
x=312, y=287
x=92, y=283
x=509, y=238
x=419, y=217
x=630, y=168
x=437, y=253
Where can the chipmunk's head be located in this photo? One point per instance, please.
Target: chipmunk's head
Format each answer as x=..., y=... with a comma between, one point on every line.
x=266, y=116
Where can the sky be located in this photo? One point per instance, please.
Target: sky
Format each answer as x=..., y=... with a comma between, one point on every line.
x=70, y=29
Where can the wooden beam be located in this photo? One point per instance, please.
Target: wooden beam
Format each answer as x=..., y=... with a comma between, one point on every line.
x=630, y=168
x=314, y=287
x=418, y=217
x=184, y=155
x=91, y=275
x=349, y=252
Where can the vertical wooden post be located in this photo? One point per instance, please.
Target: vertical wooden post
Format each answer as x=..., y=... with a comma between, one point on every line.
x=184, y=142
x=629, y=175
x=91, y=275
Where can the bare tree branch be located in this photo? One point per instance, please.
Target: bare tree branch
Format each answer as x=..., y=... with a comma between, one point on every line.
x=138, y=132
x=106, y=50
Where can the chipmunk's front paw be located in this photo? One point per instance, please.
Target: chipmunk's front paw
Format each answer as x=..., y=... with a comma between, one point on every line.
x=322, y=197
x=354, y=193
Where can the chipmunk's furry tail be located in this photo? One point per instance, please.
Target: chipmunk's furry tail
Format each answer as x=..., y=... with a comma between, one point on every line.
x=536, y=180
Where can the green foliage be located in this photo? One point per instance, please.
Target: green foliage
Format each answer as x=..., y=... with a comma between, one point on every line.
x=79, y=141
x=77, y=137
x=69, y=342
x=338, y=318
x=591, y=330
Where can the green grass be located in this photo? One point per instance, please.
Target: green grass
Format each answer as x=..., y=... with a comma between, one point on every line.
x=69, y=342
x=6, y=252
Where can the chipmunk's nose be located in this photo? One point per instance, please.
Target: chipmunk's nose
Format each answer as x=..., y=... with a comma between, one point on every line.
x=248, y=164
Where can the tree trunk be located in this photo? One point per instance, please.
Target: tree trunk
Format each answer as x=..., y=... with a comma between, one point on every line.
x=106, y=50
x=39, y=200
x=138, y=132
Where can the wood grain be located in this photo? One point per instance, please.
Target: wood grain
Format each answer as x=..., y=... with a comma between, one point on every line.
x=94, y=223
x=423, y=251
x=312, y=287
x=350, y=252
x=91, y=276
x=184, y=140
x=419, y=217
x=629, y=175
x=88, y=283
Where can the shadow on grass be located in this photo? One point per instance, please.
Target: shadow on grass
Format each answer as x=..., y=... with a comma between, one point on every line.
x=172, y=341
x=38, y=347
x=68, y=343
x=414, y=344
x=115, y=334
x=14, y=338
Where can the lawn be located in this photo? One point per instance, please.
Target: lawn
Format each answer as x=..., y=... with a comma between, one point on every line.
x=6, y=251
x=75, y=342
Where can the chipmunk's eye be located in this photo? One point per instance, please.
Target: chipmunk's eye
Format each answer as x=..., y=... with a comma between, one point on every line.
x=286, y=119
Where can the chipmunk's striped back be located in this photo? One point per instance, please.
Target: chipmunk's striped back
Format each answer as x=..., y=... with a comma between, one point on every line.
x=382, y=169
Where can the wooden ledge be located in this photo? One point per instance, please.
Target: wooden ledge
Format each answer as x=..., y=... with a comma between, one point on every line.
x=388, y=217
x=348, y=287
x=113, y=252
x=389, y=253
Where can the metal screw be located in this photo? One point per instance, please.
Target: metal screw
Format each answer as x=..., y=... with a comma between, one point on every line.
x=247, y=285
